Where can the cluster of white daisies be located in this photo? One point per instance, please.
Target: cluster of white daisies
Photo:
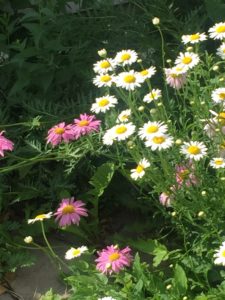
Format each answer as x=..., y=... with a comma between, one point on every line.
x=155, y=133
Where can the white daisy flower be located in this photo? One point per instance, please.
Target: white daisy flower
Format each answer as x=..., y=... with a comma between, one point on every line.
x=75, y=252
x=218, y=96
x=103, y=104
x=159, y=142
x=155, y=94
x=104, y=66
x=148, y=73
x=152, y=128
x=217, y=31
x=221, y=51
x=40, y=217
x=220, y=255
x=139, y=171
x=124, y=116
x=193, y=38
x=126, y=57
x=108, y=137
x=217, y=162
x=103, y=80
x=123, y=131
x=128, y=80
x=187, y=59
x=194, y=150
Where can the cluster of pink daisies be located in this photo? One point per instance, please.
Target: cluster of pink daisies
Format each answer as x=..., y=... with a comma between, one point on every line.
x=111, y=259
x=66, y=133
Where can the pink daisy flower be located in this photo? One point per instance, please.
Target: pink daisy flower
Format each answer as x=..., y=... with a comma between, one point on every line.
x=60, y=132
x=85, y=125
x=184, y=174
x=112, y=259
x=5, y=144
x=70, y=211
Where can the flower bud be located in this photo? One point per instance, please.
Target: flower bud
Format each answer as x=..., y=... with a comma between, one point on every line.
x=203, y=193
x=155, y=21
x=215, y=68
x=28, y=239
x=173, y=214
x=189, y=49
x=222, y=178
x=178, y=142
x=202, y=102
x=141, y=108
x=201, y=214
x=221, y=79
x=168, y=61
x=139, y=61
x=168, y=286
x=159, y=104
x=192, y=102
x=185, y=298
x=153, y=111
x=102, y=53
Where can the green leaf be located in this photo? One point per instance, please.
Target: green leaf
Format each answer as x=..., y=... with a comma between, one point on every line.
x=180, y=279
x=152, y=247
x=102, y=178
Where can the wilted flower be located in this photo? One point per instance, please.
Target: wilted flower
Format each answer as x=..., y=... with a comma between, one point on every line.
x=112, y=259
x=70, y=211
x=165, y=199
x=176, y=76
x=184, y=174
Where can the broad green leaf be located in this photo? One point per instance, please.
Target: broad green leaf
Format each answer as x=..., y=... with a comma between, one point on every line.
x=180, y=279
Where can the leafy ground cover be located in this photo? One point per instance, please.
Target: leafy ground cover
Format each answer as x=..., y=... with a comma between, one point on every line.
x=113, y=130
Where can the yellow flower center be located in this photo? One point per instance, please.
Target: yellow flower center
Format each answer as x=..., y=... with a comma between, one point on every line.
x=187, y=60
x=104, y=64
x=76, y=252
x=193, y=150
x=129, y=79
x=83, y=123
x=68, y=209
x=114, y=256
x=222, y=96
x=105, y=78
x=59, y=130
x=152, y=129
x=153, y=95
x=194, y=37
x=120, y=130
x=174, y=75
x=158, y=139
x=125, y=56
x=218, y=162
x=144, y=72
x=139, y=169
x=223, y=50
x=221, y=118
x=220, y=29
x=103, y=102
x=124, y=117
x=40, y=217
